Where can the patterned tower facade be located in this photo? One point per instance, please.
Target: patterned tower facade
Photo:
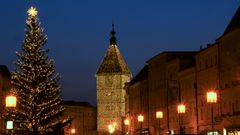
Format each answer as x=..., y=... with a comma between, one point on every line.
x=111, y=77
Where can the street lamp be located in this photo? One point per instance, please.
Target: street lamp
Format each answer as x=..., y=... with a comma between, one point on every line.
x=11, y=101
x=181, y=110
x=9, y=125
x=126, y=123
x=140, y=120
x=159, y=116
x=111, y=128
x=212, y=98
x=73, y=131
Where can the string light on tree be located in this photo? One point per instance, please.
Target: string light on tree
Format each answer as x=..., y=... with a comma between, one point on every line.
x=35, y=84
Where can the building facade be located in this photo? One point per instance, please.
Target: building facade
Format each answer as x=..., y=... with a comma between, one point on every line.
x=229, y=65
x=164, y=90
x=111, y=77
x=207, y=78
x=84, y=117
x=186, y=77
x=187, y=82
x=137, y=103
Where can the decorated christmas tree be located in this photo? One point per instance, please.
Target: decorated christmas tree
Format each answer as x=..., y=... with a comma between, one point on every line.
x=35, y=84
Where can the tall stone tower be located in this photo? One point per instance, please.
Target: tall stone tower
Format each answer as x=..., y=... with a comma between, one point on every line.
x=111, y=77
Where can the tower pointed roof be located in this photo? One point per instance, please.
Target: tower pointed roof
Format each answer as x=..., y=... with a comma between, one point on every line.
x=113, y=61
x=234, y=23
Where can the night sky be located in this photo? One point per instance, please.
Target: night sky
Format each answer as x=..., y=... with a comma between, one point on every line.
x=78, y=33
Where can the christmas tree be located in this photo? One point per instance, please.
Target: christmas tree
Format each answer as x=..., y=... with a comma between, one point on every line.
x=36, y=87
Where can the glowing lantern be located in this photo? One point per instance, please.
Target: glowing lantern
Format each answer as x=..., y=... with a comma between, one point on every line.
x=11, y=101
x=9, y=125
x=127, y=122
x=211, y=97
x=73, y=131
x=111, y=128
x=181, y=108
x=140, y=118
x=159, y=114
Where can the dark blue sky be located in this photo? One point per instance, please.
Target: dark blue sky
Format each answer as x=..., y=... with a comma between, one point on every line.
x=78, y=33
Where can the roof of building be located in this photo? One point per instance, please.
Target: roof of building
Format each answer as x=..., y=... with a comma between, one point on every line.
x=76, y=103
x=113, y=61
x=234, y=23
x=170, y=55
x=4, y=71
x=142, y=75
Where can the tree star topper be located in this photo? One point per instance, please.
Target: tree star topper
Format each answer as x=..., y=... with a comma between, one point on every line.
x=32, y=11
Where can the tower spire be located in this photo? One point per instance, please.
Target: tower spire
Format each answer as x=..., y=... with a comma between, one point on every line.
x=113, y=38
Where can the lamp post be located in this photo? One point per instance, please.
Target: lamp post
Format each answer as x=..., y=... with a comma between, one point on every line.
x=126, y=123
x=212, y=98
x=181, y=110
x=10, y=102
x=140, y=120
x=159, y=116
